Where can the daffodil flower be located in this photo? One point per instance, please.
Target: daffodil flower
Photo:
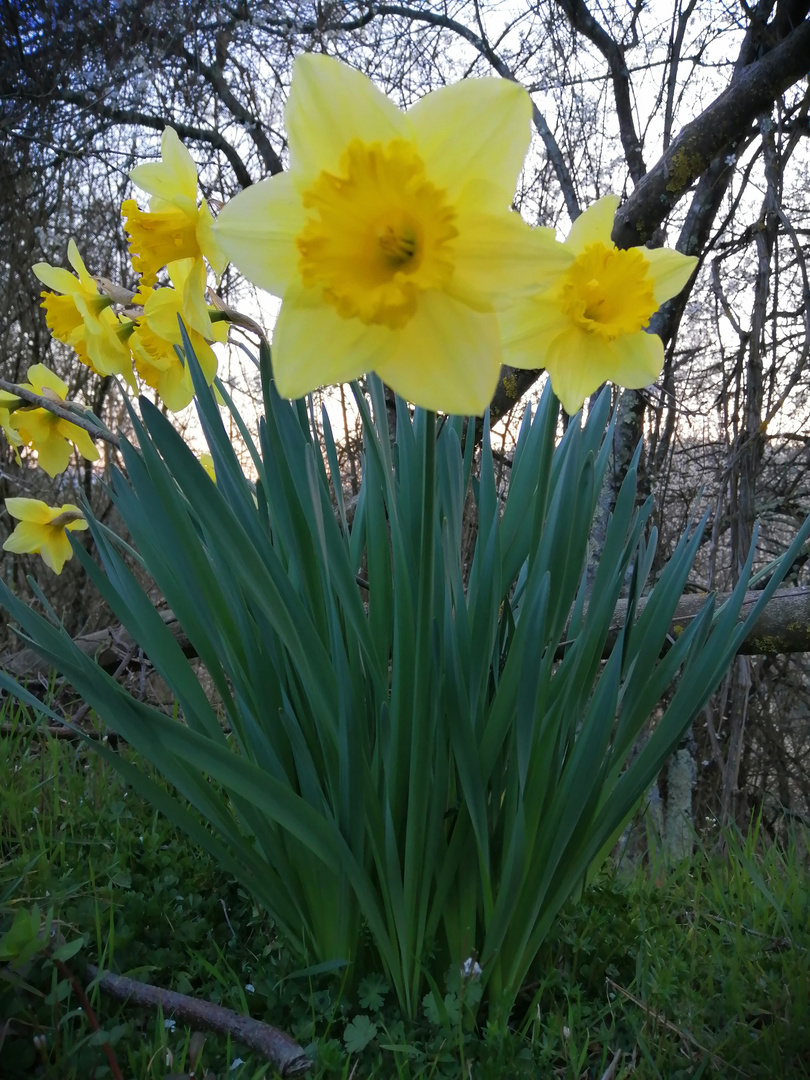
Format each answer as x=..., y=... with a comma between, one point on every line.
x=157, y=333
x=43, y=431
x=174, y=228
x=8, y=403
x=80, y=316
x=43, y=529
x=390, y=239
x=589, y=326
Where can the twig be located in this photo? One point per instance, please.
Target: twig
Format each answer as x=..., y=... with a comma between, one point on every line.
x=776, y=942
x=74, y=414
x=680, y=1032
x=66, y=973
x=610, y=1071
x=285, y=1054
x=56, y=731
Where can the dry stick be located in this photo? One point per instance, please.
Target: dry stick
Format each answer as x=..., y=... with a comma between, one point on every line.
x=610, y=1071
x=74, y=414
x=285, y=1054
x=66, y=973
x=681, y=1032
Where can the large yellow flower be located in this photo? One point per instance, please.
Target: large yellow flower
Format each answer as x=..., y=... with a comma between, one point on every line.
x=43, y=530
x=588, y=327
x=82, y=317
x=174, y=228
x=43, y=431
x=158, y=332
x=390, y=239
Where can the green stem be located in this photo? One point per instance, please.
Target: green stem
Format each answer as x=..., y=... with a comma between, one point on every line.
x=421, y=723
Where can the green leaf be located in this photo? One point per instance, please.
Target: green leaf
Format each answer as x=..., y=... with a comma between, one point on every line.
x=359, y=1033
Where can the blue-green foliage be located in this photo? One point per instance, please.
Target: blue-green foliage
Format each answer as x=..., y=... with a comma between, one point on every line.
x=429, y=774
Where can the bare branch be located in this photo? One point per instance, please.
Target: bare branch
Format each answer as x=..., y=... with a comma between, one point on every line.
x=65, y=410
x=719, y=127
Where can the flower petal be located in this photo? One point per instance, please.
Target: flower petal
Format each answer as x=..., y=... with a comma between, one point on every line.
x=578, y=364
x=76, y=261
x=174, y=177
x=498, y=257
x=448, y=357
x=669, y=270
x=313, y=346
x=329, y=105
x=80, y=439
x=477, y=129
x=25, y=539
x=29, y=510
x=640, y=358
x=595, y=224
x=56, y=278
x=53, y=455
x=529, y=330
x=55, y=549
x=42, y=378
x=257, y=230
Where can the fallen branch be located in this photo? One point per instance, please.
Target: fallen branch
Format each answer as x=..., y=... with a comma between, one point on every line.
x=783, y=627
x=285, y=1053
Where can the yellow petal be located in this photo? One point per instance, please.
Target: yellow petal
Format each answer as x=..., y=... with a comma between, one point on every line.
x=76, y=261
x=25, y=539
x=579, y=363
x=669, y=270
x=56, y=278
x=208, y=242
x=80, y=438
x=498, y=257
x=448, y=357
x=529, y=330
x=594, y=225
x=174, y=178
x=53, y=455
x=640, y=360
x=42, y=378
x=55, y=549
x=477, y=129
x=313, y=346
x=175, y=387
x=29, y=510
x=257, y=231
x=329, y=105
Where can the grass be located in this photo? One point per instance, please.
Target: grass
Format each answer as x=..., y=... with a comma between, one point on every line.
x=699, y=970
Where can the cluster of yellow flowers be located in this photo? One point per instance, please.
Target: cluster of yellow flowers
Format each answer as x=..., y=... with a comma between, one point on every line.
x=391, y=242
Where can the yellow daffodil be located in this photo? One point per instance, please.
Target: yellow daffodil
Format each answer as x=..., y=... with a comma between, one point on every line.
x=174, y=227
x=390, y=239
x=43, y=431
x=207, y=463
x=43, y=529
x=80, y=316
x=588, y=327
x=8, y=403
x=158, y=331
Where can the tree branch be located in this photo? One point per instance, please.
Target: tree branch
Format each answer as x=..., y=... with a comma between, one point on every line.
x=783, y=627
x=719, y=127
x=285, y=1054
x=581, y=19
x=65, y=410
x=96, y=105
